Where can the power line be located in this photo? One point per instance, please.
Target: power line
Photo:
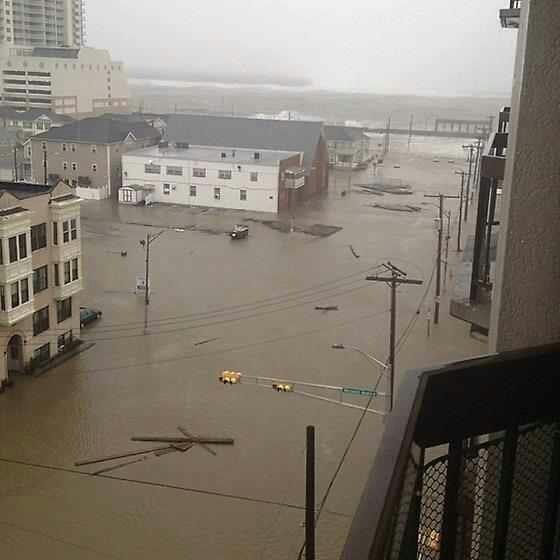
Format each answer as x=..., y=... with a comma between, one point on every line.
x=191, y=356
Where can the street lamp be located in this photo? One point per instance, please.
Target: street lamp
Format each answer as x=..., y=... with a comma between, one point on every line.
x=369, y=357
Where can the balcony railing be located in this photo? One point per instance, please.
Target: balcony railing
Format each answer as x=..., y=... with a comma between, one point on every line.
x=469, y=465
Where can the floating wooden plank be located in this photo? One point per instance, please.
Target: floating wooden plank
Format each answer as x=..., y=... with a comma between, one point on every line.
x=326, y=307
x=119, y=456
x=119, y=466
x=203, y=445
x=172, y=439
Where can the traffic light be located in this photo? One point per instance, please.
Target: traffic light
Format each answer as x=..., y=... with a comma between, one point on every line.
x=230, y=377
x=283, y=387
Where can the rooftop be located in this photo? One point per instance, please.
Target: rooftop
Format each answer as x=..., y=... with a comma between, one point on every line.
x=23, y=190
x=8, y=112
x=214, y=154
x=254, y=134
x=100, y=130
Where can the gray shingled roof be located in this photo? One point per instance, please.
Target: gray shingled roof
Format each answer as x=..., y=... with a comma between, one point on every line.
x=99, y=130
x=24, y=190
x=341, y=133
x=237, y=132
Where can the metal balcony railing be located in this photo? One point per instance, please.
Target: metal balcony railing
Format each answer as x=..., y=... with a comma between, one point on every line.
x=469, y=465
x=509, y=17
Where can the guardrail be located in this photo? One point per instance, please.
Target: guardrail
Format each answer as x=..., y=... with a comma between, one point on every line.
x=469, y=465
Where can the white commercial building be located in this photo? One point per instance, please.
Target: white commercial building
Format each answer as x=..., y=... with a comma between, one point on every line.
x=245, y=179
x=42, y=23
x=63, y=80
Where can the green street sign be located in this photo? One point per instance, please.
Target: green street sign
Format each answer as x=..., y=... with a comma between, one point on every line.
x=359, y=392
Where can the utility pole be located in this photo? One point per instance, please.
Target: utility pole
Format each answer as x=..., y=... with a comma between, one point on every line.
x=470, y=148
x=45, y=174
x=387, y=137
x=447, y=238
x=15, y=164
x=310, y=495
x=410, y=130
x=396, y=278
x=146, y=244
x=479, y=144
x=460, y=225
x=442, y=198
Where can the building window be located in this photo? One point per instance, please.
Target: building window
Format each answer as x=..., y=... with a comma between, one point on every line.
x=73, y=229
x=38, y=237
x=64, y=340
x=217, y=193
x=65, y=231
x=242, y=194
x=166, y=188
x=199, y=172
x=152, y=169
x=14, y=291
x=65, y=165
x=94, y=149
x=40, y=279
x=55, y=233
x=94, y=167
x=67, y=275
x=192, y=191
x=174, y=170
x=2, y=298
x=22, y=242
x=224, y=174
x=73, y=147
x=24, y=290
x=127, y=195
x=254, y=176
x=56, y=276
x=74, y=269
x=42, y=354
x=12, y=245
x=41, y=321
x=74, y=166
x=64, y=147
x=63, y=310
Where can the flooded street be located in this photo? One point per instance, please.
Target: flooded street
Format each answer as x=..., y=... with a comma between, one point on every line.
x=216, y=305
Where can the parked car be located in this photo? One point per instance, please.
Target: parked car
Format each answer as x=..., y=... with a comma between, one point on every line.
x=88, y=316
x=239, y=232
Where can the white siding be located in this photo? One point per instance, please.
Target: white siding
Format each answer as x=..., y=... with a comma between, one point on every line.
x=262, y=195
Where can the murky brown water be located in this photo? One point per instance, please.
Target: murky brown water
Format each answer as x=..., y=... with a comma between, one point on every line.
x=242, y=504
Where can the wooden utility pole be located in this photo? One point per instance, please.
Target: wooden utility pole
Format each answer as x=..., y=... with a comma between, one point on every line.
x=15, y=164
x=447, y=238
x=470, y=148
x=442, y=198
x=460, y=225
x=397, y=278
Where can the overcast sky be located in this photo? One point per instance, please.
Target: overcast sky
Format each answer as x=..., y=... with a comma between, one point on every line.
x=379, y=46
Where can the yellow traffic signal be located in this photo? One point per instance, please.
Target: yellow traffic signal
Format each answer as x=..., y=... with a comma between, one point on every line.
x=230, y=377
x=283, y=387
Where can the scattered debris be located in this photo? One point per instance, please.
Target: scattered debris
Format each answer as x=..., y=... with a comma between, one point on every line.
x=206, y=341
x=386, y=189
x=317, y=230
x=326, y=307
x=450, y=161
x=171, y=444
x=435, y=161
x=182, y=229
x=397, y=166
x=368, y=191
x=397, y=207
x=353, y=251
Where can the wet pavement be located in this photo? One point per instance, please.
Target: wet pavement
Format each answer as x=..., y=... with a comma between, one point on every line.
x=217, y=304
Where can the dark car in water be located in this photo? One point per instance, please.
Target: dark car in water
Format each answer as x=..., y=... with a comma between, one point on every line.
x=88, y=316
x=239, y=232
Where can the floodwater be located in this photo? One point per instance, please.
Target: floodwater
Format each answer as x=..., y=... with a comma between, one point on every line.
x=251, y=304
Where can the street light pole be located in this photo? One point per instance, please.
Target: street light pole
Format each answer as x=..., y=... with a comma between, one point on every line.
x=146, y=244
x=460, y=225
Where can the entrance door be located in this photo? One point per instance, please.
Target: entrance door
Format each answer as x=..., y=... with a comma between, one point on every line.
x=15, y=354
